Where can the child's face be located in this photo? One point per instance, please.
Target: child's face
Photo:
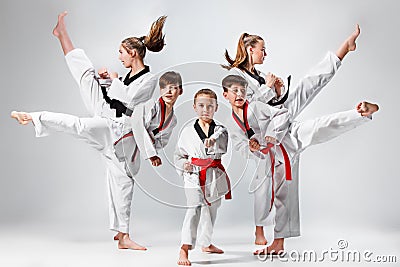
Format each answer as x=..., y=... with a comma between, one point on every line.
x=236, y=95
x=258, y=53
x=170, y=93
x=205, y=107
x=125, y=57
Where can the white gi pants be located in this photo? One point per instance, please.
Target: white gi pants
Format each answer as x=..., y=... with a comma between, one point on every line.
x=320, y=130
x=120, y=186
x=307, y=133
x=310, y=85
x=99, y=134
x=198, y=214
x=83, y=72
x=299, y=97
x=264, y=213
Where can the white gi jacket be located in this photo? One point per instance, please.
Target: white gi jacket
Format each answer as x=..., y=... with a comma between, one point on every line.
x=190, y=146
x=146, y=131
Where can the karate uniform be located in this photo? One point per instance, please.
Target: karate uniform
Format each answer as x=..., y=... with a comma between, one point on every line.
x=106, y=135
x=143, y=134
x=208, y=182
x=259, y=121
x=135, y=90
x=147, y=131
x=301, y=135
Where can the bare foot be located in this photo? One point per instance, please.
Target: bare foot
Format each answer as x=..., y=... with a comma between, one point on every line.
x=351, y=41
x=126, y=243
x=22, y=117
x=276, y=248
x=265, y=251
x=349, y=44
x=260, y=238
x=184, y=256
x=117, y=236
x=212, y=249
x=268, y=251
x=366, y=108
x=59, y=29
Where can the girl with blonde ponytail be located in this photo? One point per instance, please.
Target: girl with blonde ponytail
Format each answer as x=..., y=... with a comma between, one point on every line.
x=109, y=97
x=271, y=89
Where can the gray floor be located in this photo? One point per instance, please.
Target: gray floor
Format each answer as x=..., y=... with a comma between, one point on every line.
x=36, y=245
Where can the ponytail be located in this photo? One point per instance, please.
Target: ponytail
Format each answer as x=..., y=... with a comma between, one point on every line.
x=242, y=58
x=154, y=41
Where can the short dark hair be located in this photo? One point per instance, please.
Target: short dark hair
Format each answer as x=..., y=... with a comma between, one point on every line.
x=205, y=91
x=229, y=80
x=170, y=77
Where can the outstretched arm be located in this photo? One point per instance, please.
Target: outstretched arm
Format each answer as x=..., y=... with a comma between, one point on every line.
x=218, y=141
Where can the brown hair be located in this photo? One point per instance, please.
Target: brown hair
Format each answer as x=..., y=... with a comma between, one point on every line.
x=229, y=80
x=170, y=77
x=242, y=58
x=207, y=92
x=154, y=41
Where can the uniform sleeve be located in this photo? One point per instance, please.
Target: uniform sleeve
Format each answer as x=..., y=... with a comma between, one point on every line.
x=267, y=93
x=275, y=98
x=131, y=94
x=140, y=133
x=180, y=155
x=275, y=121
x=240, y=142
x=163, y=138
x=221, y=140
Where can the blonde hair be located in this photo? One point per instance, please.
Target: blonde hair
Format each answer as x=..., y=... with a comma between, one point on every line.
x=242, y=57
x=154, y=41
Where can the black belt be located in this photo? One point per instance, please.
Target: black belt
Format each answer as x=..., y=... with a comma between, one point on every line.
x=272, y=102
x=119, y=107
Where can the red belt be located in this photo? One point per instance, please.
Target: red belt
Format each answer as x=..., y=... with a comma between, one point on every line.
x=125, y=136
x=128, y=135
x=288, y=170
x=136, y=148
x=204, y=164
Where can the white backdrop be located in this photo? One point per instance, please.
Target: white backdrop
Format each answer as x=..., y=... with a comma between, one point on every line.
x=347, y=185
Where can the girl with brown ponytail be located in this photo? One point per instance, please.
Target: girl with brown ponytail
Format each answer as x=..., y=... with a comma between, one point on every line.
x=271, y=89
x=131, y=53
x=120, y=99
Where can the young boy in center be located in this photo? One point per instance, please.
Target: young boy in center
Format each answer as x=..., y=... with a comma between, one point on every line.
x=119, y=141
x=200, y=147
x=256, y=128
